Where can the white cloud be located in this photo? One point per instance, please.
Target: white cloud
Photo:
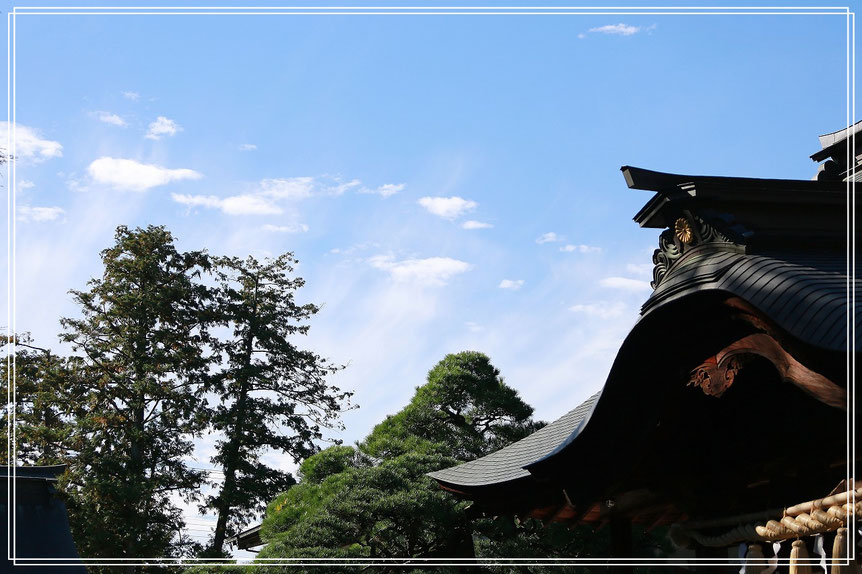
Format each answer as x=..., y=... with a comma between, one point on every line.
x=197, y=200
x=135, y=176
x=447, y=207
x=386, y=190
x=339, y=188
x=549, y=237
x=580, y=249
x=601, y=310
x=162, y=127
x=287, y=188
x=471, y=224
x=433, y=271
x=513, y=284
x=28, y=144
x=617, y=29
x=245, y=204
x=625, y=284
x=24, y=184
x=131, y=96
x=247, y=147
x=109, y=118
x=26, y=213
x=291, y=228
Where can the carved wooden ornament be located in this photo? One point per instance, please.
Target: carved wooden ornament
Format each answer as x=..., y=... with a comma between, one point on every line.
x=687, y=232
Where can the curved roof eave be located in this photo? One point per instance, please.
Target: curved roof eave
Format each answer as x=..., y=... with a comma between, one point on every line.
x=813, y=284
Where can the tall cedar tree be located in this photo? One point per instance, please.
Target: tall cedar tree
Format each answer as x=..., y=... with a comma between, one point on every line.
x=33, y=380
x=273, y=394
x=135, y=397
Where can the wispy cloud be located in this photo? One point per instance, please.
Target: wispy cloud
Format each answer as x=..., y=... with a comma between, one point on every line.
x=29, y=144
x=549, y=237
x=353, y=248
x=580, y=249
x=25, y=184
x=247, y=147
x=162, y=127
x=337, y=187
x=245, y=204
x=471, y=224
x=27, y=213
x=433, y=271
x=129, y=174
x=512, y=284
x=291, y=228
x=617, y=29
x=109, y=118
x=625, y=284
x=385, y=190
x=267, y=196
x=287, y=188
x=134, y=96
x=447, y=207
x=602, y=310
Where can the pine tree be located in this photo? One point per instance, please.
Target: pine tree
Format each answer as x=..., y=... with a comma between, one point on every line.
x=135, y=399
x=273, y=394
x=376, y=501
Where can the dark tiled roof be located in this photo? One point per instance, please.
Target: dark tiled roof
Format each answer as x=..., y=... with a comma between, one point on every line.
x=49, y=473
x=248, y=538
x=41, y=525
x=804, y=293
x=507, y=463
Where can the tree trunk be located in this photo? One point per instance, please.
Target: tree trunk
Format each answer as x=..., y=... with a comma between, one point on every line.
x=136, y=475
x=224, y=502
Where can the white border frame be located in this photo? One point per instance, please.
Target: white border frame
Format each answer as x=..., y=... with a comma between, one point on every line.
x=398, y=11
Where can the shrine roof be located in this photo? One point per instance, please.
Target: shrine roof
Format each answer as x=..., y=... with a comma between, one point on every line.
x=507, y=463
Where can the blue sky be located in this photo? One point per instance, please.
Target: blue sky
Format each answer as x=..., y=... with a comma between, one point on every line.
x=447, y=182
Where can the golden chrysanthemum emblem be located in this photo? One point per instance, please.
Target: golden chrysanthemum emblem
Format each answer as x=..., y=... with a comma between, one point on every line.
x=683, y=230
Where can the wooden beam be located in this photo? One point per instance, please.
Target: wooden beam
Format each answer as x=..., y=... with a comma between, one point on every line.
x=717, y=373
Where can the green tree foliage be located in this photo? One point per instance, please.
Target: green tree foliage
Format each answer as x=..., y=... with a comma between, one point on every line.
x=41, y=429
x=388, y=509
x=135, y=399
x=377, y=501
x=465, y=408
x=272, y=394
